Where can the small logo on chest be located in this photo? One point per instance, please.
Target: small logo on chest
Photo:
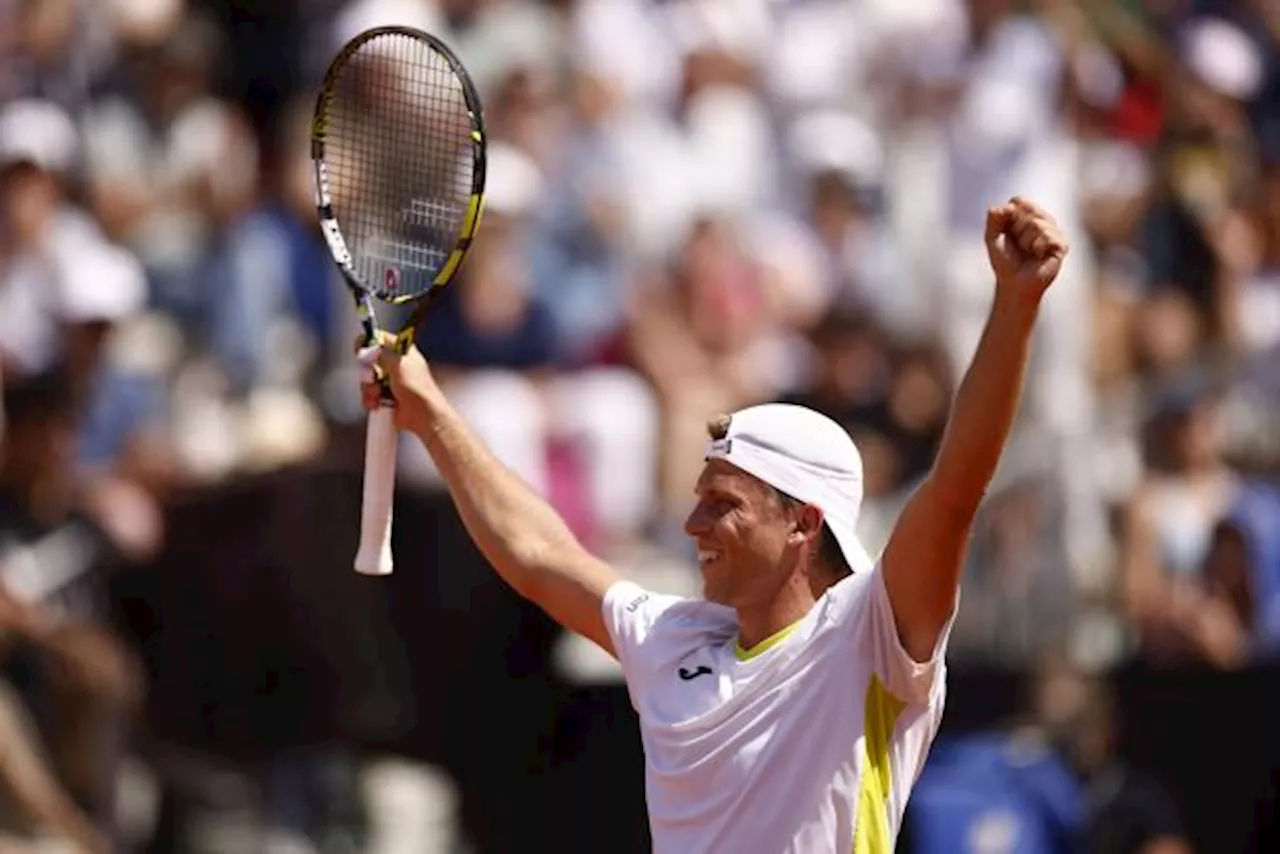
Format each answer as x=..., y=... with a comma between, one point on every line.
x=689, y=675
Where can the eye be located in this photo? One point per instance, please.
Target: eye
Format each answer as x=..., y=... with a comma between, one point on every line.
x=723, y=502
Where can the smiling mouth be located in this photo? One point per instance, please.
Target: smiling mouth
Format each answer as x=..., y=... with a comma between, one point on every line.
x=708, y=556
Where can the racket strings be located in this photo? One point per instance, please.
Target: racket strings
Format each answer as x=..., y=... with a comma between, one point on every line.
x=399, y=160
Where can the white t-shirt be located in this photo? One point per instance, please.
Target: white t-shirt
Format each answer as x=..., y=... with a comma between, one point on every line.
x=809, y=742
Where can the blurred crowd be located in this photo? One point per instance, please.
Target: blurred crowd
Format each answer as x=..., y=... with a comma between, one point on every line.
x=693, y=205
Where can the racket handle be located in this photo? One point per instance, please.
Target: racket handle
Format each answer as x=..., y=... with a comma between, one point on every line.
x=374, y=555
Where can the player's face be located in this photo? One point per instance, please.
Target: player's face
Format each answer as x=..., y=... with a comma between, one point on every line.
x=740, y=530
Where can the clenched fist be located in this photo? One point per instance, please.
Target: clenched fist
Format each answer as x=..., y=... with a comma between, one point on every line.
x=1026, y=248
x=408, y=378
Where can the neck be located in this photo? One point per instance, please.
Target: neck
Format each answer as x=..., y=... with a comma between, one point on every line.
x=788, y=606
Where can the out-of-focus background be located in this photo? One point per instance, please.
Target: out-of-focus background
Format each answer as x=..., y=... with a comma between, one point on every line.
x=693, y=205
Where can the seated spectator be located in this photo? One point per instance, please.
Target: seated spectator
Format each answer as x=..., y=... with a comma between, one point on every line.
x=268, y=268
x=841, y=173
x=34, y=804
x=699, y=334
x=1052, y=784
x=1168, y=525
x=892, y=398
x=851, y=369
x=65, y=290
x=59, y=536
x=586, y=435
x=1125, y=810
x=1019, y=593
x=1242, y=574
x=41, y=231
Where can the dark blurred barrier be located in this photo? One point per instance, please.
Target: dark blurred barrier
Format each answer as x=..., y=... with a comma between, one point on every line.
x=260, y=637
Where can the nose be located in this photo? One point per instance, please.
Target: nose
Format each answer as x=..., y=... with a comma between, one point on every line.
x=695, y=524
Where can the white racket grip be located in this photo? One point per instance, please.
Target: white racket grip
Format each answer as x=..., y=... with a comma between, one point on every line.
x=374, y=555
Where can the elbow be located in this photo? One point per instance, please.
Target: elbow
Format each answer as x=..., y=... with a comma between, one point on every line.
x=519, y=566
x=529, y=563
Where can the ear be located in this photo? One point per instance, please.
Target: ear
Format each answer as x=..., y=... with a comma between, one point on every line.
x=807, y=526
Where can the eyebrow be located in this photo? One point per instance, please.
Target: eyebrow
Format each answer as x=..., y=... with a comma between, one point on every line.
x=717, y=489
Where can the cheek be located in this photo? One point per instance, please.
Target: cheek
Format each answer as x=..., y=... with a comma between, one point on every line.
x=733, y=535
x=724, y=529
x=758, y=542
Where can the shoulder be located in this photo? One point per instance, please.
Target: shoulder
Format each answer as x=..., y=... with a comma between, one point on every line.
x=628, y=600
x=646, y=625
x=857, y=611
x=851, y=593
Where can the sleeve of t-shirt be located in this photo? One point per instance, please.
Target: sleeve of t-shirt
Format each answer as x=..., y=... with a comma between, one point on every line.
x=861, y=608
x=632, y=615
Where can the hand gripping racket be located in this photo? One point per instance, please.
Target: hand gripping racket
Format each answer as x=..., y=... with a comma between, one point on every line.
x=398, y=146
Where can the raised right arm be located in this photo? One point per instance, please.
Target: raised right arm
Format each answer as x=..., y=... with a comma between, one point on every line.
x=521, y=535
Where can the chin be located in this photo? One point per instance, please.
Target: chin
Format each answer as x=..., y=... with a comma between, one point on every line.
x=710, y=591
x=717, y=594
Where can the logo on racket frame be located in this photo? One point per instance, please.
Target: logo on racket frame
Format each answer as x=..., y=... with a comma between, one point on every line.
x=391, y=280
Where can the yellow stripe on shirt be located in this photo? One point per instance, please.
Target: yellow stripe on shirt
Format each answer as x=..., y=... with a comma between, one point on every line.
x=765, y=645
x=871, y=832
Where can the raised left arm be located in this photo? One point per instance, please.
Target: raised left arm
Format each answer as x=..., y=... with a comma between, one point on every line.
x=923, y=559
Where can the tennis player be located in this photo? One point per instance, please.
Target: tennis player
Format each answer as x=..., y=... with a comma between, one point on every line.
x=791, y=708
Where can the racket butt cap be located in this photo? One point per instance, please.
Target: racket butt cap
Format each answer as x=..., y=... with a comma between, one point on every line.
x=374, y=561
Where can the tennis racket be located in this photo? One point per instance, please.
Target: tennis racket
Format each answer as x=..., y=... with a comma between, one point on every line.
x=398, y=146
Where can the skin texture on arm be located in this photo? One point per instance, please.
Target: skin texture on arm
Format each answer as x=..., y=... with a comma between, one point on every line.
x=517, y=531
x=923, y=559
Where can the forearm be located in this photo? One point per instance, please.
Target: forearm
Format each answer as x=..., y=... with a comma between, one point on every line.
x=516, y=530
x=985, y=406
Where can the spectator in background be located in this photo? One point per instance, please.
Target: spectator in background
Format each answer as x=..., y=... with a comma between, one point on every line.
x=915, y=408
x=893, y=400
x=64, y=289
x=581, y=259
x=1126, y=811
x=841, y=164
x=585, y=435
x=848, y=379
x=994, y=83
x=271, y=269
x=697, y=335
x=850, y=368
x=1206, y=162
x=1020, y=597
x=35, y=808
x=58, y=538
x=1242, y=576
x=1168, y=524
x=1048, y=783
x=42, y=232
x=1247, y=249
x=60, y=50
x=168, y=163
